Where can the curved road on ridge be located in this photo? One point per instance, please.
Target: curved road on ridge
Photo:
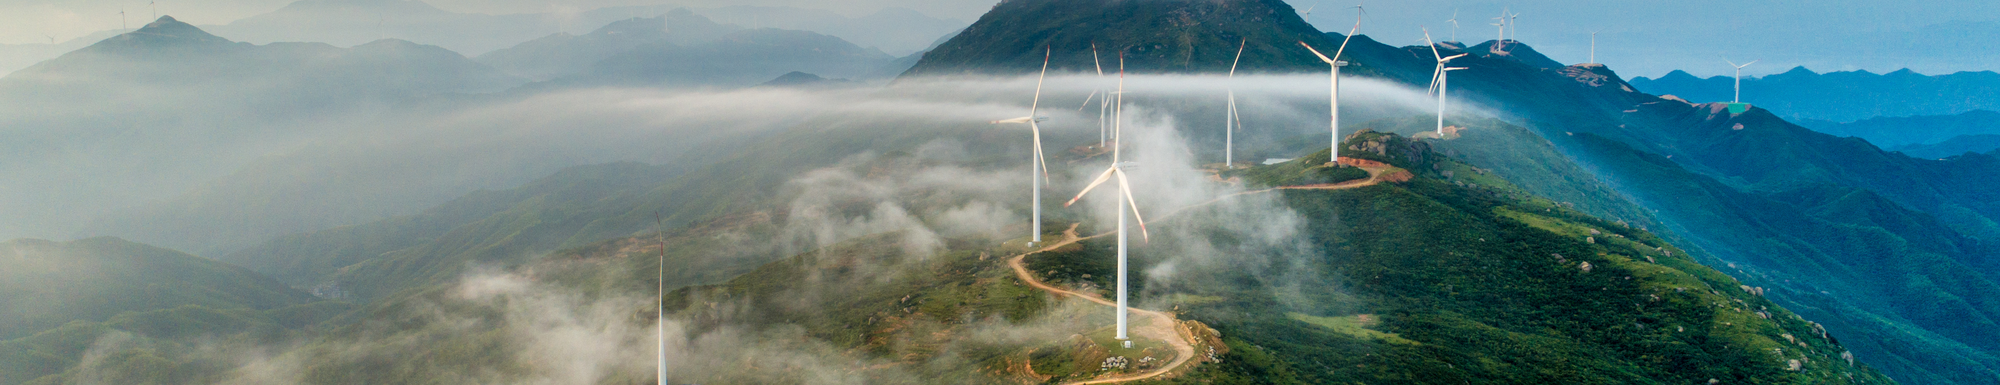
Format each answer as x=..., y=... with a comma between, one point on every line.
x=1164, y=326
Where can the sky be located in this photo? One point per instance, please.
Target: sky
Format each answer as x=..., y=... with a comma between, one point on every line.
x=1637, y=38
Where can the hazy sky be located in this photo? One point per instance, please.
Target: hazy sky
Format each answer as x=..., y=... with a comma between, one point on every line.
x=1639, y=38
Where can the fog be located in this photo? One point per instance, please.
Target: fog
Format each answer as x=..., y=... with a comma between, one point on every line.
x=918, y=200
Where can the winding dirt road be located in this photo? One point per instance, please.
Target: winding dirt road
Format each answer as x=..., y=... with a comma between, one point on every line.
x=1161, y=326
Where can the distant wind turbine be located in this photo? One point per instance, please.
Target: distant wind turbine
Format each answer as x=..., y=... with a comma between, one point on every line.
x=1036, y=164
x=52, y=38
x=122, y=25
x=156, y=9
x=1117, y=170
x=661, y=302
x=1514, y=28
x=1103, y=131
x=1593, y=45
x=1359, y=11
x=1309, y=13
x=1229, y=123
x=1739, y=79
x=1454, y=24
x=1333, y=73
x=1440, y=77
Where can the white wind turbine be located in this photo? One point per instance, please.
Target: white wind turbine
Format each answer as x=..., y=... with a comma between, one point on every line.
x=1232, y=122
x=1333, y=65
x=1513, y=28
x=1739, y=79
x=1593, y=45
x=1440, y=78
x=1309, y=14
x=1117, y=170
x=122, y=25
x=1454, y=24
x=1103, y=105
x=1037, y=164
x=660, y=303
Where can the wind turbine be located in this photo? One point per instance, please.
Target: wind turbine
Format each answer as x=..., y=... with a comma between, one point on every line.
x=1333, y=65
x=1359, y=11
x=1037, y=163
x=156, y=9
x=1117, y=170
x=1513, y=27
x=1229, y=123
x=1309, y=13
x=1440, y=78
x=661, y=302
x=1739, y=79
x=122, y=25
x=52, y=38
x=1593, y=45
x=1454, y=24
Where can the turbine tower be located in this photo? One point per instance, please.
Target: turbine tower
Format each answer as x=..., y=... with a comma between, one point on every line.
x=1036, y=164
x=1309, y=14
x=1333, y=73
x=1513, y=28
x=1593, y=46
x=1739, y=79
x=660, y=304
x=122, y=25
x=1117, y=170
x=1439, y=79
x=1230, y=123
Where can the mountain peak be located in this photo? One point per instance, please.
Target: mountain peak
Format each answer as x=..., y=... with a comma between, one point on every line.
x=1153, y=36
x=165, y=32
x=1513, y=50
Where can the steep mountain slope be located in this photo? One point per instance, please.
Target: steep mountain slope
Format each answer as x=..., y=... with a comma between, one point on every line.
x=1842, y=96
x=564, y=54
x=1896, y=132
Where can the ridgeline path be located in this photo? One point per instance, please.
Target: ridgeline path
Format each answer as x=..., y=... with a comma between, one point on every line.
x=1160, y=325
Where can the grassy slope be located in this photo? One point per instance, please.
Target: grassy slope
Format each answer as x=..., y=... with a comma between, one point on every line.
x=65, y=299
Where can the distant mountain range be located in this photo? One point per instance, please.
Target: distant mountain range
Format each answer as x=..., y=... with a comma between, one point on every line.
x=1899, y=132
x=1800, y=94
x=563, y=54
x=155, y=111
x=685, y=49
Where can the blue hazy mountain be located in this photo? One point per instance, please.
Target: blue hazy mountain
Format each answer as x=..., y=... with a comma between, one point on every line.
x=354, y=22
x=124, y=111
x=563, y=54
x=1957, y=145
x=737, y=59
x=1801, y=94
x=1898, y=132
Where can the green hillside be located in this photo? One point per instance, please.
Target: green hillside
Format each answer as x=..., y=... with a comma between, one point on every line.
x=109, y=310
x=1424, y=281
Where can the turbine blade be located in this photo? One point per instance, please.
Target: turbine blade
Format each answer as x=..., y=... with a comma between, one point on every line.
x=1434, y=46
x=1039, y=160
x=1024, y=119
x=1038, y=83
x=1343, y=42
x=1239, y=57
x=1086, y=100
x=1315, y=52
x=1126, y=190
x=1094, y=59
x=1101, y=178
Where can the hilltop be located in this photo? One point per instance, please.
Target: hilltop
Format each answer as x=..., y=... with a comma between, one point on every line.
x=1842, y=96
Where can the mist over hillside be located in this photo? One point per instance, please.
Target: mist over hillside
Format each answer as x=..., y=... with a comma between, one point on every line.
x=781, y=205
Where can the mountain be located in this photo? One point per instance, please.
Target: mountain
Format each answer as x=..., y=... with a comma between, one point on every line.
x=738, y=59
x=897, y=31
x=1152, y=36
x=563, y=54
x=1513, y=50
x=1957, y=145
x=46, y=284
x=110, y=309
x=1895, y=132
x=1801, y=94
x=354, y=22
x=120, y=117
